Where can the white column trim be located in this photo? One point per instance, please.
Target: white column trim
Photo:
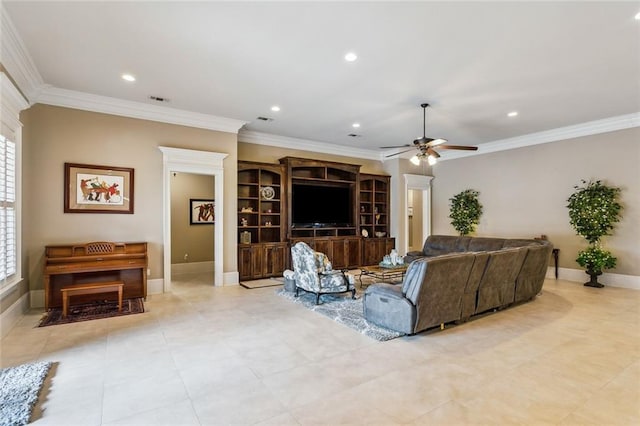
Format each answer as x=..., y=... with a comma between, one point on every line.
x=420, y=183
x=199, y=162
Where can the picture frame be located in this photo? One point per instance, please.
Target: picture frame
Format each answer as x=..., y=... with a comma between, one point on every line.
x=202, y=211
x=92, y=188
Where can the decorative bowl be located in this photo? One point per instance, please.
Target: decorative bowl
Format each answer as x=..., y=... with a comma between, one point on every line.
x=380, y=234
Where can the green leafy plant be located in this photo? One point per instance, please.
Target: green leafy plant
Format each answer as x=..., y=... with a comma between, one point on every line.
x=465, y=211
x=595, y=259
x=594, y=209
x=593, y=212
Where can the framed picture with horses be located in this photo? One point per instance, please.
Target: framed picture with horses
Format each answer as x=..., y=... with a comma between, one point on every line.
x=202, y=211
x=97, y=189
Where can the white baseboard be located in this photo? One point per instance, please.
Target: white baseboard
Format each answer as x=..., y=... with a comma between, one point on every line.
x=155, y=286
x=36, y=298
x=611, y=280
x=192, y=267
x=11, y=316
x=231, y=278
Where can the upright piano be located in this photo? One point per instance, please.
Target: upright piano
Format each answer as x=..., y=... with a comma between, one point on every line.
x=94, y=262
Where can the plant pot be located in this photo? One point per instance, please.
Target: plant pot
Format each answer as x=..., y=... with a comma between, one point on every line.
x=593, y=282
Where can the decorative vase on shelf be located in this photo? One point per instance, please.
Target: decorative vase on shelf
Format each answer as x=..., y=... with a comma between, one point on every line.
x=593, y=282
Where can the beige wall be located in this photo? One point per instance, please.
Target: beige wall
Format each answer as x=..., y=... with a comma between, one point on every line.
x=524, y=192
x=195, y=241
x=54, y=135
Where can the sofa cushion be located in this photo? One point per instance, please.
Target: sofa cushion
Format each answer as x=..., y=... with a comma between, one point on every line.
x=497, y=286
x=534, y=269
x=485, y=244
x=508, y=243
x=436, y=245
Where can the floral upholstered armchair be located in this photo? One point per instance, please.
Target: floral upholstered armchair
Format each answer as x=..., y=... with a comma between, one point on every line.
x=313, y=273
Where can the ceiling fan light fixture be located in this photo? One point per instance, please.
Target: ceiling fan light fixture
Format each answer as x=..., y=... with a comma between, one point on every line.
x=432, y=160
x=415, y=160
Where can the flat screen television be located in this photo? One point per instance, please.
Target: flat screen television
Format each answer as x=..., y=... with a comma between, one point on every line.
x=321, y=206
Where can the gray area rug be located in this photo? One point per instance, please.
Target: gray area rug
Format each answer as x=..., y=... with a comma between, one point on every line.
x=19, y=389
x=343, y=309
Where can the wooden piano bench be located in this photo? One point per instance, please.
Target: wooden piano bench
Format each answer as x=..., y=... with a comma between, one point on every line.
x=91, y=288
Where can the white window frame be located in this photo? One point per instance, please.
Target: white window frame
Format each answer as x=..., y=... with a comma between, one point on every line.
x=11, y=103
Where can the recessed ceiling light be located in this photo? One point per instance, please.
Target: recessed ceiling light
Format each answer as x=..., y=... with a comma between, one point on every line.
x=275, y=108
x=512, y=114
x=355, y=125
x=350, y=57
x=128, y=77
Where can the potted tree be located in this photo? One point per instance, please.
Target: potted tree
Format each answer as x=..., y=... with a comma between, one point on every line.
x=465, y=211
x=593, y=212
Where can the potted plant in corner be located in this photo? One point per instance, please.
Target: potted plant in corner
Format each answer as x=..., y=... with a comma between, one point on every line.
x=593, y=211
x=465, y=211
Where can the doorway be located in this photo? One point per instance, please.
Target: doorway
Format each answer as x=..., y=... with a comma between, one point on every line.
x=417, y=211
x=176, y=160
x=192, y=225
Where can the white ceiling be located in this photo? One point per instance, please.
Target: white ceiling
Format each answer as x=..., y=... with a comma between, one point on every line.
x=557, y=64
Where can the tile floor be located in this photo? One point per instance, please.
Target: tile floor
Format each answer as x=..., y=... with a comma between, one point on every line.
x=205, y=355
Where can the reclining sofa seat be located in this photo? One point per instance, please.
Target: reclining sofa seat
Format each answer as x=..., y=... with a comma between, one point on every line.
x=431, y=294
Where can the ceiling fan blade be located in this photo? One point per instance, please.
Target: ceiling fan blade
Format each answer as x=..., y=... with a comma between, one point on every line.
x=436, y=142
x=433, y=152
x=398, y=153
x=397, y=146
x=463, y=147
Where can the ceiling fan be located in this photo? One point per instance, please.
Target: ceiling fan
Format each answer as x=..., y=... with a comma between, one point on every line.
x=425, y=145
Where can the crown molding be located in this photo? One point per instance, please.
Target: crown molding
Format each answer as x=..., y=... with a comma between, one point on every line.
x=107, y=105
x=16, y=60
x=589, y=128
x=268, y=139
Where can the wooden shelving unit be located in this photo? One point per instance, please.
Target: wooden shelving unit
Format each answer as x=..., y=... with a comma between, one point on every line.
x=262, y=248
x=314, y=172
x=374, y=215
x=265, y=228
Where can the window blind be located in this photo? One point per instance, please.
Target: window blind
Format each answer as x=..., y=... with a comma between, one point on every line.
x=8, y=241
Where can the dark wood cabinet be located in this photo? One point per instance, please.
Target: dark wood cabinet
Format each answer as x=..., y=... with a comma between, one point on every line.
x=343, y=252
x=374, y=249
x=262, y=260
x=265, y=219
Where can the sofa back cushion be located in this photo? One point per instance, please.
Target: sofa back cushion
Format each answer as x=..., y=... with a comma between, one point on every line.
x=438, y=299
x=497, y=286
x=534, y=269
x=485, y=244
x=519, y=243
x=436, y=245
x=471, y=288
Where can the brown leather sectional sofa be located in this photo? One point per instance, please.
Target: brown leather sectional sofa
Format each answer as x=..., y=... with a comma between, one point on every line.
x=454, y=278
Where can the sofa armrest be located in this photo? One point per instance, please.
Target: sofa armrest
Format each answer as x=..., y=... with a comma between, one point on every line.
x=415, y=253
x=386, y=306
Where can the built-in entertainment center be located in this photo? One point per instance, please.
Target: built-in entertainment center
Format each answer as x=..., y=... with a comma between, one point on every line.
x=329, y=205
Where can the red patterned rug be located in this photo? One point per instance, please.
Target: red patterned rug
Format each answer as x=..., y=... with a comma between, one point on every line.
x=92, y=311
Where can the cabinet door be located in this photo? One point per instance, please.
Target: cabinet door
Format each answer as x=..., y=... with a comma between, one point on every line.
x=390, y=244
x=257, y=261
x=339, y=254
x=245, y=270
x=370, y=252
x=274, y=256
x=354, y=252
x=324, y=246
